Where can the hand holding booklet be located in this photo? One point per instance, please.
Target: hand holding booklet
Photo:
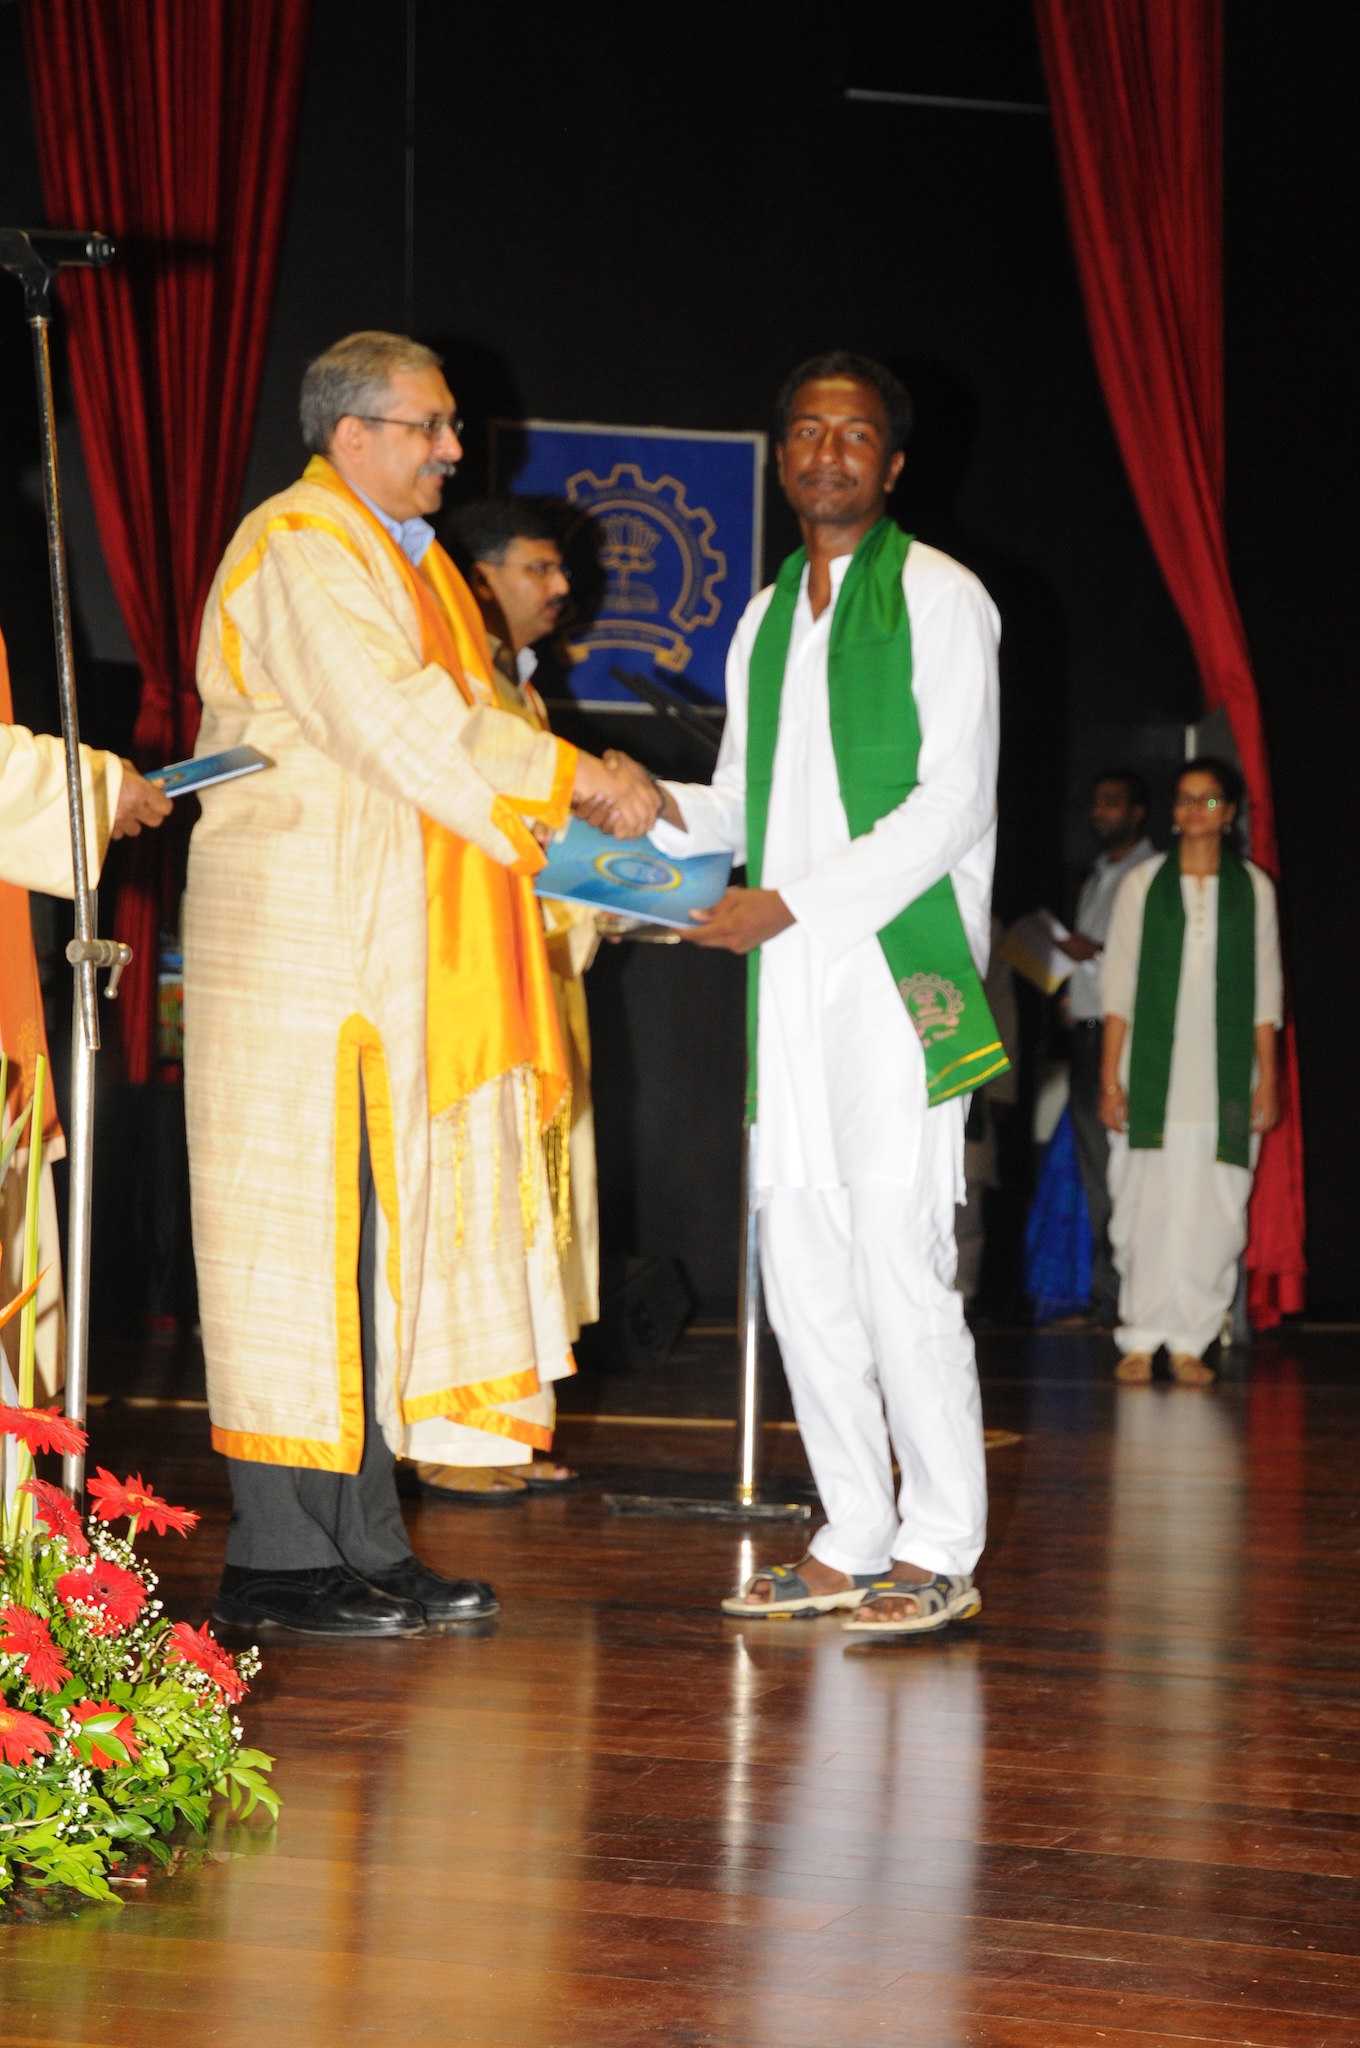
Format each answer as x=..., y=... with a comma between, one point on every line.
x=183, y=778
x=629, y=878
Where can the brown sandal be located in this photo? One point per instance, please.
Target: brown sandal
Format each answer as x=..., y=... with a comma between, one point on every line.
x=1134, y=1368
x=1189, y=1371
x=473, y=1486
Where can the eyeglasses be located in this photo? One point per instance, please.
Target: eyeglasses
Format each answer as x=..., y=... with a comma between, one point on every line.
x=543, y=570
x=1198, y=803
x=431, y=428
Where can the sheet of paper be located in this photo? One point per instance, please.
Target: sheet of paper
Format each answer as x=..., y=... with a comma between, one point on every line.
x=629, y=877
x=1030, y=947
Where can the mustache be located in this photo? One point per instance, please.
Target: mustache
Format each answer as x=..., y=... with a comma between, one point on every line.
x=440, y=469
x=818, y=473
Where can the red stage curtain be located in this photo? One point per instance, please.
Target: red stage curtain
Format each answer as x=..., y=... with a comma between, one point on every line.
x=1136, y=92
x=170, y=125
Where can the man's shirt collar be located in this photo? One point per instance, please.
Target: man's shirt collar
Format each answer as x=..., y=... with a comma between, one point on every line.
x=1140, y=851
x=412, y=536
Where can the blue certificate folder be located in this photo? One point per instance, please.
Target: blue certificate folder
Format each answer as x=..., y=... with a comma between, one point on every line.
x=181, y=778
x=629, y=878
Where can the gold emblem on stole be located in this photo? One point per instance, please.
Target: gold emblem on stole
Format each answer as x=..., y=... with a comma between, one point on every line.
x=933, y=1004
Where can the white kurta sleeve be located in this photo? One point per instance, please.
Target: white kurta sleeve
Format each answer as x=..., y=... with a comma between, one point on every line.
x=314, y=629
x=1123, y=942
x=35, y=823
x=1269, y=978
x=847, y=899
x=715, y=812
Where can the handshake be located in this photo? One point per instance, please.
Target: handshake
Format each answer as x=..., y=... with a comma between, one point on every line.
x=616, y=795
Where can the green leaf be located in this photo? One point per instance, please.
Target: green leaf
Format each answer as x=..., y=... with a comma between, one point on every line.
x=11, y=1144
x=195, y=1811
x=254, y=1759
x=92, y=1736
x=246, y=1790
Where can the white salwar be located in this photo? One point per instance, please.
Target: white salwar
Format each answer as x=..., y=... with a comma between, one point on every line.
x=1178, y=1224
x=857, y=1178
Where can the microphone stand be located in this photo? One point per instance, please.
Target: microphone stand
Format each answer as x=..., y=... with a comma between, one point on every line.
x=35, y=256
x=745, y=1500
x=668, y=703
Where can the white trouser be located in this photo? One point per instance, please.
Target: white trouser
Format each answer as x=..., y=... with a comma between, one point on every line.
x=859, y=1283
x=1178, y=1226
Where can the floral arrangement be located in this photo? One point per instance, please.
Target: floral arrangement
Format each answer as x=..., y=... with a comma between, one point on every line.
x=115, y=1725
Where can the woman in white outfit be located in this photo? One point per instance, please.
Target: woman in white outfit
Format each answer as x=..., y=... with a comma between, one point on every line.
x=1191, y=989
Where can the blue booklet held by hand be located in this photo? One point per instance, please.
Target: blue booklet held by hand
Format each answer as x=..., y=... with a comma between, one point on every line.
x=629, y=878
x=181, y=778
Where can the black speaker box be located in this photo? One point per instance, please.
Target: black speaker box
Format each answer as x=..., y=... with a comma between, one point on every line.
x=644, y=1306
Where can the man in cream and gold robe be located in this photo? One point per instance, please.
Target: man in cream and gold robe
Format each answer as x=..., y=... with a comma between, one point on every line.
x=372, y=1050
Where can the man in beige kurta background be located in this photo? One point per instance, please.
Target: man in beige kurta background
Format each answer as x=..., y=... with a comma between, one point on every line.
x=516, y=574
x=330, y=1326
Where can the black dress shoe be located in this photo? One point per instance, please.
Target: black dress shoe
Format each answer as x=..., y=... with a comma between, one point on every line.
x=328, y=1601
x=444, y=1601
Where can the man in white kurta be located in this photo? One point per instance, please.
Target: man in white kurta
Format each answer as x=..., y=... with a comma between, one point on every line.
x=857, y=1178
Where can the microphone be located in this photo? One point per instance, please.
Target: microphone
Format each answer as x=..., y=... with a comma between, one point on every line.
x=36, y=254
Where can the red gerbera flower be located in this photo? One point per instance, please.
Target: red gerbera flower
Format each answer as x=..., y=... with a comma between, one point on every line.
x=57, y=1512
x=129, y=1497
x=123, y=1731
x=199, y=1646
x=42, y=1429
x=119, y=1593
x=26, y=1634
x=22, y=1736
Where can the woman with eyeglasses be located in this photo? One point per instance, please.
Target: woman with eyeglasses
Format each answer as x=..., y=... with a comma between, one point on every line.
x=1192, y=994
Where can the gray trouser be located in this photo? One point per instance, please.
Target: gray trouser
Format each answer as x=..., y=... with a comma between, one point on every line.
x=291, y=1518
x=1093, y=1155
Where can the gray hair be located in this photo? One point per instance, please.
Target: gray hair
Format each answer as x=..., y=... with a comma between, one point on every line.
x=354, y=376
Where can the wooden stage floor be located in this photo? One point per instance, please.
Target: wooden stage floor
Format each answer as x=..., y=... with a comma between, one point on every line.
x=1124, y=1807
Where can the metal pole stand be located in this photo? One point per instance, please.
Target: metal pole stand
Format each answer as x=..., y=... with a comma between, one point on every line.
x=35, y=255
x=745, y=1499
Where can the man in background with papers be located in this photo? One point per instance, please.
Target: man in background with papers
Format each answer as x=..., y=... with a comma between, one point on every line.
x=1119, y=808
x=857, y=779
x=515, y=571
x=522, y=585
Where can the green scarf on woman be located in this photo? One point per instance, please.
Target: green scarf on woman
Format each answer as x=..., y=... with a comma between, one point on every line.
x=1154, y=1007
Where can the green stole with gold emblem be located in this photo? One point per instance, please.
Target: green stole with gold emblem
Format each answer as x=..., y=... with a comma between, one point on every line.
x=876, y=735
x=1154, y=1006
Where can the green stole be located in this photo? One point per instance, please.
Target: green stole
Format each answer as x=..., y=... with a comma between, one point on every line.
x=1154, y=1007
x=876, y=734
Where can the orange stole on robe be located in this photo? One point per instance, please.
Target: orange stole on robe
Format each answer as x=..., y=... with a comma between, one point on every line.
x=489, y=1005
x=488, y=955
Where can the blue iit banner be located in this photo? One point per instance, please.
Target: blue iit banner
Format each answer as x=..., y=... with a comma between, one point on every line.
x=666, y=549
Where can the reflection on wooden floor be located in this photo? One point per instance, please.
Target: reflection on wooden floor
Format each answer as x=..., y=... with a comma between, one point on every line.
x=1125, y=1807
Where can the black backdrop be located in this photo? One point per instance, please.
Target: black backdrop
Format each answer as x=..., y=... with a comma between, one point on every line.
x=647, y=217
